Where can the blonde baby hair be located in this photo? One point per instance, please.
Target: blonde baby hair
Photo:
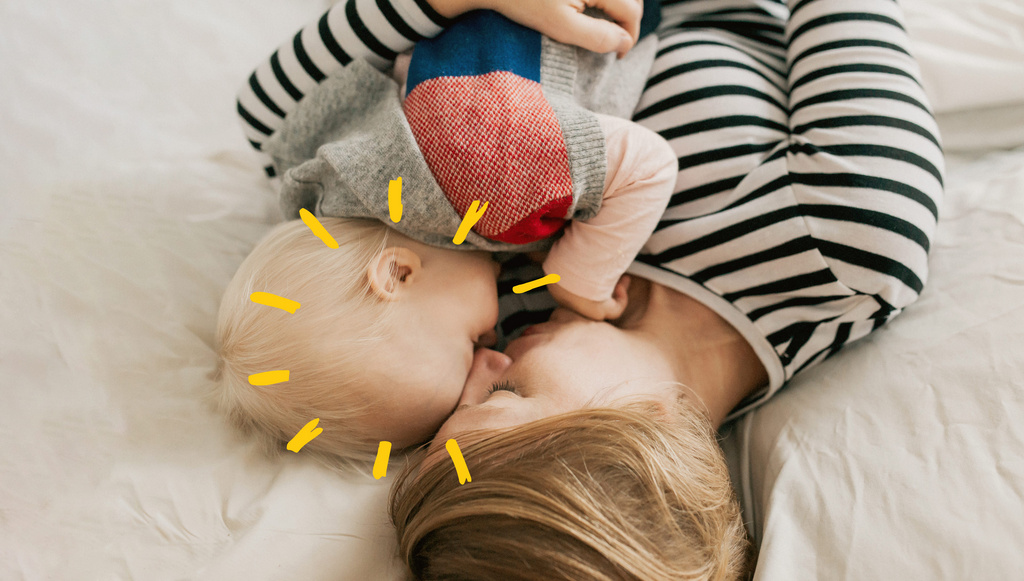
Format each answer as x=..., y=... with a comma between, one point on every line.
x=621, y=494
x=322, y=344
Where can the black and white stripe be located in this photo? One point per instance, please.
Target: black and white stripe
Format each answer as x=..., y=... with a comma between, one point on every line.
x=374, y=30
x=810, y=172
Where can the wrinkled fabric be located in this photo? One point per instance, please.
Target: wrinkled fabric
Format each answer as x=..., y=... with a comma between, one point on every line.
x=905, y=456
x=128, y=198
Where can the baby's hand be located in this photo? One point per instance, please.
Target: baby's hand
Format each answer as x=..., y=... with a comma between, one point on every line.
x=608, y=309
x=564, y=21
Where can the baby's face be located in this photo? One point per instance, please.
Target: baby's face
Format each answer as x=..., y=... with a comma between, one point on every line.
x=421, y=368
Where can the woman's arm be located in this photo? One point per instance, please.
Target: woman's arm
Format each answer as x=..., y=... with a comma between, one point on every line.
x=810, y=170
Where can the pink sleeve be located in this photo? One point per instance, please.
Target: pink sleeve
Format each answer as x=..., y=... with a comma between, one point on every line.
x=591, y=256
x=401, y=71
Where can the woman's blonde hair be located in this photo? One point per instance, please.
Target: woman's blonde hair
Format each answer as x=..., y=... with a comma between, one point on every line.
x=322, y=344
x=596, y=494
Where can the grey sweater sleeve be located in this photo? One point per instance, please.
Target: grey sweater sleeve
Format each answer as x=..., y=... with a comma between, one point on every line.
x=323, y=47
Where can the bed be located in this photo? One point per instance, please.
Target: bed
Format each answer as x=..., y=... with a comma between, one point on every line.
x=129, y=197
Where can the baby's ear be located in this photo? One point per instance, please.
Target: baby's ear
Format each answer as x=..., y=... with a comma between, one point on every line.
x=391, y=271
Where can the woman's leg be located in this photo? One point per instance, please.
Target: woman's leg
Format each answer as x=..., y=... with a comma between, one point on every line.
x=810, y=169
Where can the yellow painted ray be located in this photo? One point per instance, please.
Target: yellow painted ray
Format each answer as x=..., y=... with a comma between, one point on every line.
x=380, y=465
x=395, y=199
x=269, y=377
x=469, y=220
x=527, y=286
x=305, y=435
x=272, y=300
x=317, y=228
x=460, y=463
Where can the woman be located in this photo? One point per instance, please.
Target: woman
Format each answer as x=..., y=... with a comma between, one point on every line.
x=810, y=176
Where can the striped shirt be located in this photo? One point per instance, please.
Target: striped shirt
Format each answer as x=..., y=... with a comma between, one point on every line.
x=810, y=174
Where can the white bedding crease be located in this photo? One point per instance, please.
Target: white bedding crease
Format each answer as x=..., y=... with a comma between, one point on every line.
x=128, y=197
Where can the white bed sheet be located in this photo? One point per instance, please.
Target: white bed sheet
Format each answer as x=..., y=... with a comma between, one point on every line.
x=904, y=457
x=128, y=197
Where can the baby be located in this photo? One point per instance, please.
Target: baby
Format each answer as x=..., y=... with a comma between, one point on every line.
x=388, y=322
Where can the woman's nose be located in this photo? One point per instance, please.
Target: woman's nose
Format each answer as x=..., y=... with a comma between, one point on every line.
x=488, y=367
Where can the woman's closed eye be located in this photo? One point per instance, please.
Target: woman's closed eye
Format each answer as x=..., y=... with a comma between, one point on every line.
x=503, y=385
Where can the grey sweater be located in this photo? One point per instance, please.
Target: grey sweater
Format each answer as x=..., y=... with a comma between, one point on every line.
x=349, y=137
